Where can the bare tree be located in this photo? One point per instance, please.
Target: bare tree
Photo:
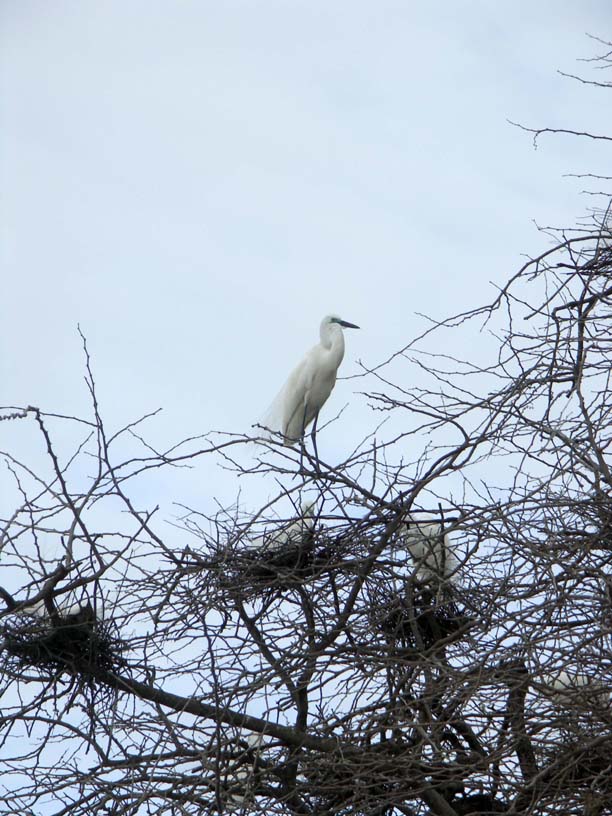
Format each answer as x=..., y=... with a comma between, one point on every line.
x=425, y=630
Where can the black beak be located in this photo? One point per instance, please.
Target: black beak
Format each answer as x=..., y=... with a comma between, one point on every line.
x=347, y=325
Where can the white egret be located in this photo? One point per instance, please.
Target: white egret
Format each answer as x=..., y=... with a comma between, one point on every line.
x=239, y=779
x=431, y=550
x=309, y=384
x=565, y=687
x=67, y=612
x=293, y=535
x=35, y=610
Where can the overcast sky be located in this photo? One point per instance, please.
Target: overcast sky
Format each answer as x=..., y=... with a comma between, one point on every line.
x=197, y=183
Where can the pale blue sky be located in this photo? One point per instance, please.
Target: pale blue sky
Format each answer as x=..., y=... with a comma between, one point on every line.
x=198, y=183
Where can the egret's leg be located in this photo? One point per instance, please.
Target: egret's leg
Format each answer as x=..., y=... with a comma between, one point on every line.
x=313, y=435
x=302, y=441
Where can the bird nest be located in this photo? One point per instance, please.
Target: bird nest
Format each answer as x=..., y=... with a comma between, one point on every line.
x=418, y=619
x=372, y=779
x=582, y=762
x=78, y=644
x=253, y=570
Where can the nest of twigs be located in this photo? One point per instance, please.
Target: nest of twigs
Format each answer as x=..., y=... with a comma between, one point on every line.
x=256, y=569
x=291, y=561
x=421, y=618
x=77, y=644
x=583, y=764
x=355, y=786
x=374, y=779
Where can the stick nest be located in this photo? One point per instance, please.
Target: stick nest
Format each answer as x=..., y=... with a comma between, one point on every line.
x=419, y=619
x=254, y=570
x=75, y=644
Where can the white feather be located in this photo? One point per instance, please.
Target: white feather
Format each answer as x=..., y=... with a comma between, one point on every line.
x=568, y=686
x=238, y=781
x=431, y=551
x=65, y=609
x=309, y=385
x=292, y=535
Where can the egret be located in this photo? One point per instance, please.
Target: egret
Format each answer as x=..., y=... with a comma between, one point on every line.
x=240, y=777
x=289, y=547
x=431, y=550
x=309, y=384
x=565, y=687
x=293, y=535
x=67, y=612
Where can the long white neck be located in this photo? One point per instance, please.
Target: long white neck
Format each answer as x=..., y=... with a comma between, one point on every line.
x=332, y=340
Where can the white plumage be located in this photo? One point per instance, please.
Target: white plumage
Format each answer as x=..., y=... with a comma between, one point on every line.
x=309, y=384
x=566, y=687
x=238, y=780
x=35, y=610
x=66, y=611
x=293, y=535
x=431, y=551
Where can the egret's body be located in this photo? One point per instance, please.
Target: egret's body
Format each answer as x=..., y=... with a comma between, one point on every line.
x=67, y=612
x=310, y=383
x=565, y=687
x=431, y=550
x=293, y=535
x=239, y=780
x=35, y=610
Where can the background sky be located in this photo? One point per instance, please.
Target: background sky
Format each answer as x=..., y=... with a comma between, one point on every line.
x=197, y=183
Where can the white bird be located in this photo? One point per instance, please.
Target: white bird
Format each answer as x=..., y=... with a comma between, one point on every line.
x=293, y=535
x=431, y=550
x=239, y=779
x=565, y=687
x=67, y=612
x=309, y=384
x=35, y=610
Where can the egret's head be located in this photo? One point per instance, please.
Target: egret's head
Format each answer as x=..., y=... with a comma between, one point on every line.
x=308, y=508
x=330, y=319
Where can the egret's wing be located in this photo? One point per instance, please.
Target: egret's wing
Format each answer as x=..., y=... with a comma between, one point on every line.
x=291, y=534
x=272, y=419
x=281, y=415
x=431, y=550
x=295, y=420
